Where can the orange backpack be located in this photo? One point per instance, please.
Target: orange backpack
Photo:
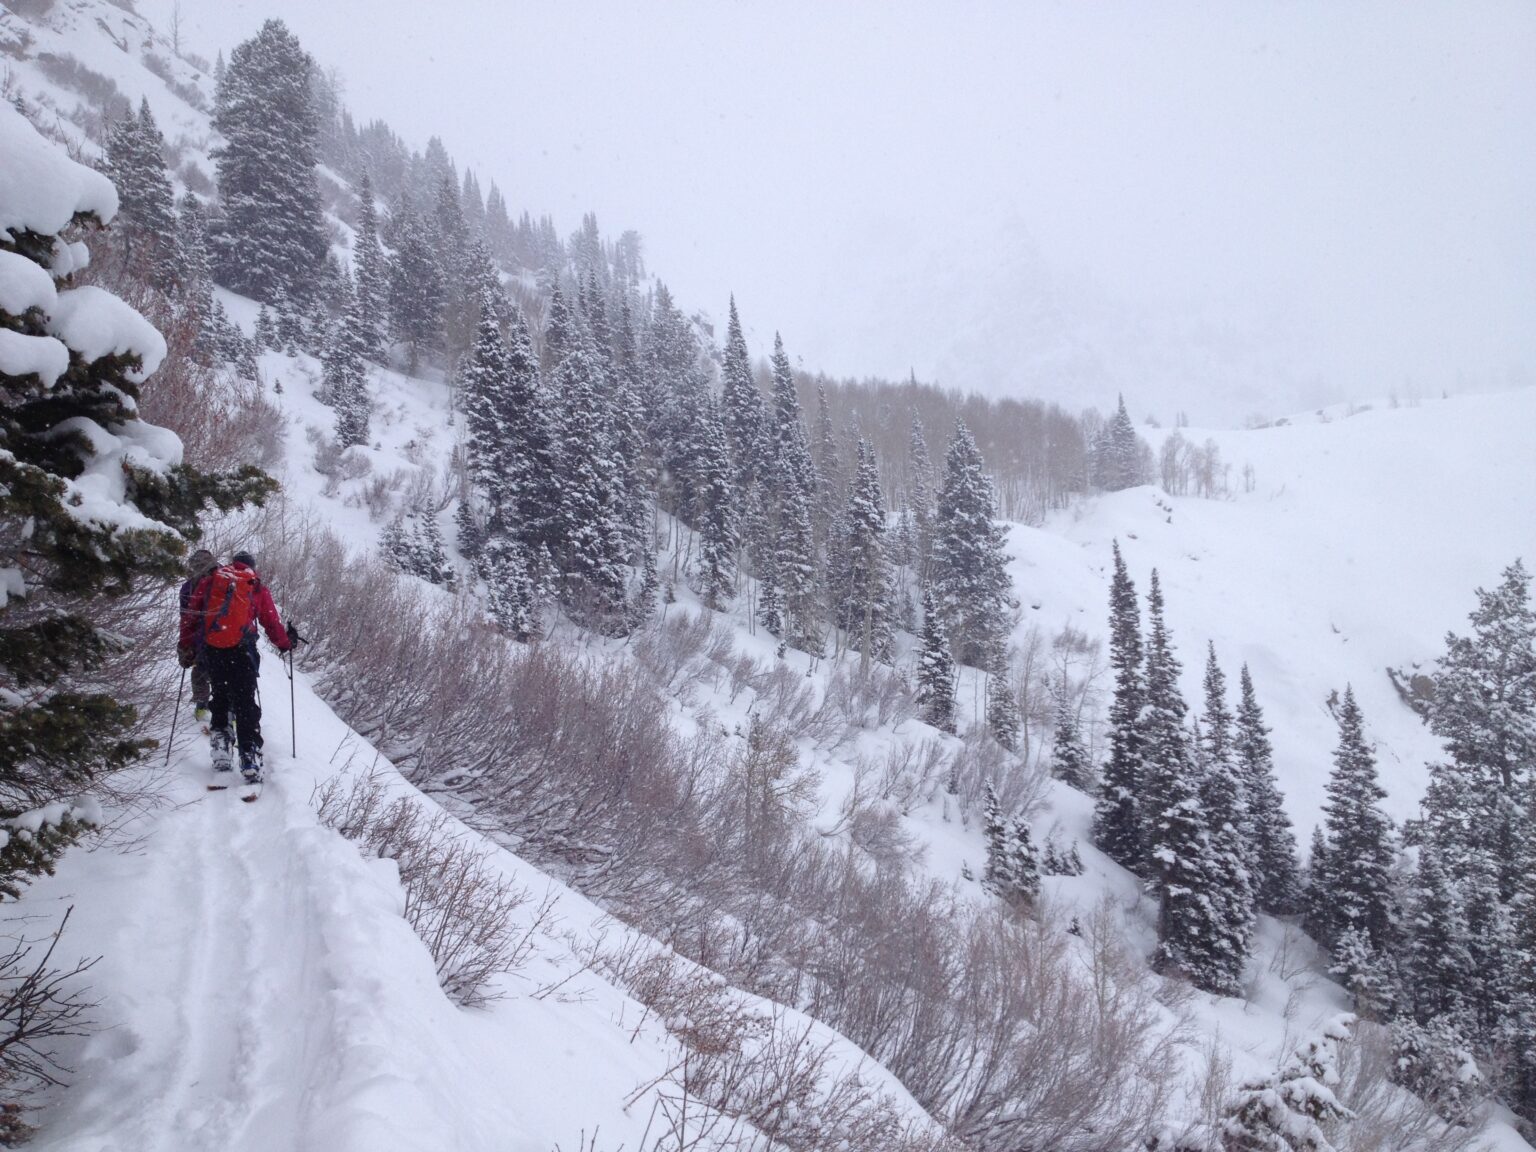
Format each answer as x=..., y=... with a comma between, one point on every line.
x=231, y=609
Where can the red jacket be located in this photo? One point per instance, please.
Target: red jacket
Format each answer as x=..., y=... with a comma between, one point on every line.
x=193, y=619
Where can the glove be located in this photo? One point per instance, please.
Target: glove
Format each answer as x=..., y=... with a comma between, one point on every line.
x=185, y=655
x=294, y=639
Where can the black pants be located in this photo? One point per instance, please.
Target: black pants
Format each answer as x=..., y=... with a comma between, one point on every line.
x=232, y=672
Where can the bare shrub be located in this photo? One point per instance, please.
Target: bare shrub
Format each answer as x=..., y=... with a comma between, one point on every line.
x=748, y=1075
x=911, y=772
x=39, y=1005
x=870, y=697
x=458, y=903
x=1386, y=1117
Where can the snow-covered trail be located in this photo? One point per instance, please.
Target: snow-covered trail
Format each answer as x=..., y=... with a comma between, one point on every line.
x=244, y=989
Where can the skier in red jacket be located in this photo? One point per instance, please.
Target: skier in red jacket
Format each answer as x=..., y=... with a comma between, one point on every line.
x=221, y=619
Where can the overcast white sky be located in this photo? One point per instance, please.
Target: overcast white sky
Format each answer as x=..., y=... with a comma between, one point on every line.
x=1225, y=207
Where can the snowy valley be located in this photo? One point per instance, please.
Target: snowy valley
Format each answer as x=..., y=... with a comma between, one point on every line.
x=585, y=825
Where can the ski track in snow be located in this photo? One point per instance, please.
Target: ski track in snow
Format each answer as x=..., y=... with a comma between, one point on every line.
x=217, y=1052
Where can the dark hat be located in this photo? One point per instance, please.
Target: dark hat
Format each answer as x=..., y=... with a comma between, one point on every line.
x=201, y=562
x=243, y=557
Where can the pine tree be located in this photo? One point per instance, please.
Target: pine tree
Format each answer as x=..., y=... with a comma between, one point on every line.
x=484, y=378
x=370, y=271
x=1518, y=1030
x=1318, y=909
x=561, y=333
x=416, y=295
x=593, y=532
x=1118, y=455
x=716, y=565
x=146, y=224
x=346, y=375
x=935, y=671
x=1070, y=762
x=1436, y=957
x=997, y=877
x=510, y=594
x=532, y=467
x=1118, y=821
x=1484, y=711
x=1024, y=863
x=1224, y=800
x=742, y=411
x=862, y=589
x=969, y=567
x=59, y=731
x=1003, y=719
x=1366, y=973
x=829, y=477
x=1272, y=859
x=1359, y=836
x=269, y=241
x=793, y=486
x=920, y=498
x=1192, y=934
x=1293, y=1110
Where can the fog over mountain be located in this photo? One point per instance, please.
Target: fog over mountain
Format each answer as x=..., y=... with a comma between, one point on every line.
x=1225, y=208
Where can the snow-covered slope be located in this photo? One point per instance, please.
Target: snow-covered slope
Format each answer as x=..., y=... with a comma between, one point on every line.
x=259, y=990
x=1359, y=546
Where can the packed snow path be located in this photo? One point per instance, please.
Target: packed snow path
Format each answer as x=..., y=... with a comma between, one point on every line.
x=258, y=990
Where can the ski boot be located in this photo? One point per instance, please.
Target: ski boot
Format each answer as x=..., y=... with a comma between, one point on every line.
x=219, y=740
x=250, y=766
x=200, y=713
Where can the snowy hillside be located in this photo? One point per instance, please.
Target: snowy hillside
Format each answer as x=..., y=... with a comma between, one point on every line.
x=260, y=985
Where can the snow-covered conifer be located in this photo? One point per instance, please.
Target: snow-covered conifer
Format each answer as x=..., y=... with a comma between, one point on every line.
x=715, y=570
x=416, y=290
x=1292, y=1110
x=94, y=501
x=968, y=569
x=1004, y=720
x=1359, y=836
x=1118, y=821
x=935, y=671
x=1272, y=858
x=863, y=587
x=793, y=487
x=370, y=271
x=146, y=224
x=742, y=410
x=1070, y=761
x=269, y=239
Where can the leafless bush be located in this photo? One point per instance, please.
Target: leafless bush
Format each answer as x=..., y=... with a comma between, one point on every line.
x=910, y=773
x=39, y=1005
x=871, y=697
x=678, y=649
x=1387, y=1118
x=457, y=902
x=750, y=1078
x=980, y=761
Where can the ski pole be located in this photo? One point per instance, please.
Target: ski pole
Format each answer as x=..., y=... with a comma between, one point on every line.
x=171, y=739
x=293, y=728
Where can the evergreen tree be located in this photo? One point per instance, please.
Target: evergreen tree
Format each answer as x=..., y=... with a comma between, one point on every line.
x=269, y=239
x=862, y=590
x=1317, y=901
x=346, y=375
x=1223, y=798
x=1119, y=454
x=1484, y=711
x=935, y=671
x=416, y=296
x=593, y=532
x=969, y=573
x=146, y=224
x=1193, y=939
x=1272, y=858
x=920, y=498
x=370, y=271
x=484, y=379
x=742, y=410
x=1024, y=863
x=510, y=597
x=82, y=517
x=997, y=877
x=1518, y=1029
x=532, y=464
x=1359, y=837
x=793, y=486
x=1436, y=960
x=561, y=333
x=1293, y=1110
x=1070, y=762
x=829, y=477
x=1003, y=719
x=461, y=297
x=1117, y=822
x=716, y=564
